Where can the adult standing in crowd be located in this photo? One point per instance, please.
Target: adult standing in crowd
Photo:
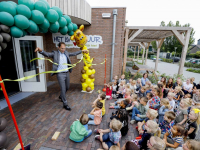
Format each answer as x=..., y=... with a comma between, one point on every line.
x=144, y=79
x=61, y=56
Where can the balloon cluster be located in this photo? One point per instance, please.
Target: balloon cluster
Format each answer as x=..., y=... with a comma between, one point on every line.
x=88, y=71
x=4, y=142
x=27, y=16
x=4, y=37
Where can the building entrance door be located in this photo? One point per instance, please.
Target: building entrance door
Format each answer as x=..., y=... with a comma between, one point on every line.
x=24, y=52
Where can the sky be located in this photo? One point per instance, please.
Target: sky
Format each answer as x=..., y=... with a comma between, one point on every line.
x=152, y=12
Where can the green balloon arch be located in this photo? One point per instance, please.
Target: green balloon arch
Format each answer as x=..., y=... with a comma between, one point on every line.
x=33, y=17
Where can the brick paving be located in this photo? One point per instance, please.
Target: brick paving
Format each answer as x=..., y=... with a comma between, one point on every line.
x=40, y=115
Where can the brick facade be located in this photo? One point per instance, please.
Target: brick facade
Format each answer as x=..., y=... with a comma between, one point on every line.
x=99, y=26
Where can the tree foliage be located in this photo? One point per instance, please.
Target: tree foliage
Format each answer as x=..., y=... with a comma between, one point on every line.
x=171, y=42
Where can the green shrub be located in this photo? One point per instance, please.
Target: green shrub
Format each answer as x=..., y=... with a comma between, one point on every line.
x=128, y=75
x=191, y=65
x=167, y=60
x=193, y=70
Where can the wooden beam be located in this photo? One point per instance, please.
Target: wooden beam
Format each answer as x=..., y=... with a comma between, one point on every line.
x=138, y=53
x=125, y=48
x=179, y=37
x=134, y=51
x=159, y=44
x=134, y=35
x=184, y=52
x=143, y=52
x=147, y=47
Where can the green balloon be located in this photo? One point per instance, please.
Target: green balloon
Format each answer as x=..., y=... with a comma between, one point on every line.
x=6, y=19
x=33, y=28
x=8, y=7
x=40, y=5
x=75, y=27
x=54, y=26
x=37, y=16
x=70, y=27
x=52, y=16
x=16, y=32
x=67, y=18
x=71, y=33
x=62, y=22
x=13, y=3
x=53, y=31
x=43, y=30
x=64, y=30
x=24, y=10
x=45, y=24
x=21, y=22
x=58, y=10
x=28, y=3
x=24, y=32
x=46, y=3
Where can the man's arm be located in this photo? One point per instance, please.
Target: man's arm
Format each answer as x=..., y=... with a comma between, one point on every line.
x=46, y=54
x=75, y=53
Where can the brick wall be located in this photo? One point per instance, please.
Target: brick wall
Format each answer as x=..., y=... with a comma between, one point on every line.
x=101, y=27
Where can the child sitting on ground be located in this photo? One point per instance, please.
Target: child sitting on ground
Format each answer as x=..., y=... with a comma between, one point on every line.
x=151, y=128
x=165, y=106
x=142, y=92
x=121, y=89
x=156, y=143
x=129, y=145
x=138, y=85
x=109, y=90
x=139, y=110
x=191, y=145
x=101, y=98
x=154, y=103
x=174, y=137
x=79, y=129
x=188, y=95
x=182, y=111
x=178, y=94
x=114, y=89
x=110, y=136
x=149, y=97
x=193, y=122
x=196, y=97
x=133, y=85
x=170, y=96
x=150, y=115
x=122, y=78
x=121, y=105
x=96, y=114
x=168, y=121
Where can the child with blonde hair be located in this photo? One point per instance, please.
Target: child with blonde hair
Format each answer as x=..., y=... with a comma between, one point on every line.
x=138, y=85
x=151, y=127
x=150, y=115
x=182, y=111
x=192, y=124
x=133, y=85
x=110, y=137
x=79, y=129
x=121, y=89
x=191, y=145
x=156, y=143
x=172, y=103
x=196, y=97
x=165, y=106
x=122, y=78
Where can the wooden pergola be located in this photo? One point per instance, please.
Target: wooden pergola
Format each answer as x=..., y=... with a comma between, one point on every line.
x=143, y=35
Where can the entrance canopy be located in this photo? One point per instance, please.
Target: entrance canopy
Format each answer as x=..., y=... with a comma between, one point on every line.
x=144, y=35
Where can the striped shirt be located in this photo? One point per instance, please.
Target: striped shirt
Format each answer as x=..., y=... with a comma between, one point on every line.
x=177, y=139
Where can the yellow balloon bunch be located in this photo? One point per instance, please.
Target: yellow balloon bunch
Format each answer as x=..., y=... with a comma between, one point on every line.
x=88, y=71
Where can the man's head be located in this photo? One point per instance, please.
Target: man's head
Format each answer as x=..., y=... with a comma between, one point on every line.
x=61, y=47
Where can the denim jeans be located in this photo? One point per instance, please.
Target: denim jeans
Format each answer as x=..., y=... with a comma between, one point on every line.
x=91, y=121
x=135, y=111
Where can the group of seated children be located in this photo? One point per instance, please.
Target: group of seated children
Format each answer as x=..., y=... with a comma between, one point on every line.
x=167, y=115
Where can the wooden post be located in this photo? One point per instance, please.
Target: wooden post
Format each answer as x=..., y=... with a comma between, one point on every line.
x=143, y=53
x=184, y=52
x=125, y=48
x=134, y=52
x=138, y=53
x=147, y=53
x=159, y=44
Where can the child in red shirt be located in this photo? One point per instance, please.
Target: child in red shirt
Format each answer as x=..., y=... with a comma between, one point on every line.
x=109, y=90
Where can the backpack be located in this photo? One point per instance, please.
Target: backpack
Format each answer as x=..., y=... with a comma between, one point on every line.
x=122, y=116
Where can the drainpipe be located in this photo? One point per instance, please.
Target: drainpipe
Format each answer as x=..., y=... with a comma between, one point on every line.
x=113, y=42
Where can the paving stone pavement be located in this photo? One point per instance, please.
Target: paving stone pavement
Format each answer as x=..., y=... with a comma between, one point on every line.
x=40, y=115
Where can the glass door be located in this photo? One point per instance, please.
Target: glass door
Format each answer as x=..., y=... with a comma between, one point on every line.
x=24, y=52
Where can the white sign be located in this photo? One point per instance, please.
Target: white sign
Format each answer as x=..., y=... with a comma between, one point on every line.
x=93, y=40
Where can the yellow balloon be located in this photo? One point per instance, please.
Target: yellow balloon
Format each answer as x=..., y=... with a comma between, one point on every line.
x=89, y=72
x=92, y=88
x=85, y=76
x=88, y=81
x=88, y=60
x=85, y=68
x=93, y=71
x=91, y=84
x=88, y=65
x=84, y=85
x=93, y=80
x=83, y=88
x=84, y=47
